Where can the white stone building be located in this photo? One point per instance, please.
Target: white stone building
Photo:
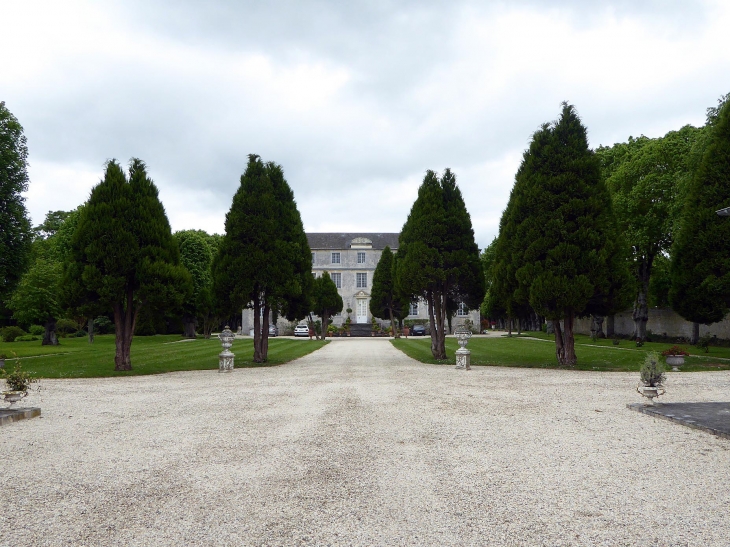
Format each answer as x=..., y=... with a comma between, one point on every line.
x=351, y=259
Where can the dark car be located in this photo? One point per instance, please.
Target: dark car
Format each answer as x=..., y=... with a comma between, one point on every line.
x=418, y=330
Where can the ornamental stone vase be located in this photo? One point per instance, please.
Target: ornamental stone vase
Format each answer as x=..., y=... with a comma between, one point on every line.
x=675, y=361
x=463, y=355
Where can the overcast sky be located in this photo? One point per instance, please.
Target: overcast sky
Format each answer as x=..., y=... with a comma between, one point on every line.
x=355, y=101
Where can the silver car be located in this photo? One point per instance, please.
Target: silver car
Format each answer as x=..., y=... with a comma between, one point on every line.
x=301, y=330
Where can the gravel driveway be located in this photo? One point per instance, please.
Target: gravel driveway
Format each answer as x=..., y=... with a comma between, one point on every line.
x=357, y=444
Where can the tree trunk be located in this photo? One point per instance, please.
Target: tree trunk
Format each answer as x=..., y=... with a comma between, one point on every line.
x=257, y=357
x=550, y=327
x=325, y=319
x=49, y=337
x=189, y=326
x=519, y=326
x=610, y=326
x=569, y=341
x=641, y=306
x=695, y=333
x=436, y=309
x=125, y=320
x=509, y=332
x=559, y=346
x=393, y=326
x=265, y=334
x=90, y=330
x=597, y=326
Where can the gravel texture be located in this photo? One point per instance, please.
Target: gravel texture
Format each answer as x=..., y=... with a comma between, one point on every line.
x=357, y=444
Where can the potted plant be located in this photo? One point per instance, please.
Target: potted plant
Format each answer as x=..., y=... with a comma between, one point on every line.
x=18, y=384
x=347, y=324
x=674, y=357
x=652, y=377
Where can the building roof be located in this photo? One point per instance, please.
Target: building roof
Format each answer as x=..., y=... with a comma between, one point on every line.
x=327, y=240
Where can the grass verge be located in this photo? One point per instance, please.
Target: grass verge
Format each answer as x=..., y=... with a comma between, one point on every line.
x=540, y=353
x=76, y=358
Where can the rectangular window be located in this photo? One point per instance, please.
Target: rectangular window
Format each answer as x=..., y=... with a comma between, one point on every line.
x=362, y=280
x=335, y=258
x=312, y=258
x=462, y=310
x=360, y=258
x=414, y=308
x=337, y=278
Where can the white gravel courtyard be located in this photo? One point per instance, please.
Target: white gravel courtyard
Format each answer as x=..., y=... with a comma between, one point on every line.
x=357, y=444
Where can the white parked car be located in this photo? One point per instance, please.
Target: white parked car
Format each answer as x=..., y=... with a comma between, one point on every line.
x=301, y=330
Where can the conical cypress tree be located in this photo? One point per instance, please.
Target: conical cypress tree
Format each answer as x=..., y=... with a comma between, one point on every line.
x=123, y=254
x=700, y=270
x=326, y=301
x=263, y=261
x=438, y=259
x=385, y=301
x=565, y=241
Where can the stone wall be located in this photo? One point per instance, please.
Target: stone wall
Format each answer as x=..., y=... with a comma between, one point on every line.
x=663, y=321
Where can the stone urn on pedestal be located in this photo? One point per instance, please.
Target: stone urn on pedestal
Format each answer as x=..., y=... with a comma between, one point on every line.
x=463, y=355
x=225, y=357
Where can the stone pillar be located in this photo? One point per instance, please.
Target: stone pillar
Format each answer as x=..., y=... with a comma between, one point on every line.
x=463, y=355
x=225, y=358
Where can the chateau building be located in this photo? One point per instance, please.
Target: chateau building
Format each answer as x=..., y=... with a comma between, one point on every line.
x=351, y=259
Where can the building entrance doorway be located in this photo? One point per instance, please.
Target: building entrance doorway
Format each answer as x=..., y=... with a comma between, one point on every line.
x=361, y=311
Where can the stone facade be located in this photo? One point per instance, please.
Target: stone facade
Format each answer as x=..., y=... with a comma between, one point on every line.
x=351, y=259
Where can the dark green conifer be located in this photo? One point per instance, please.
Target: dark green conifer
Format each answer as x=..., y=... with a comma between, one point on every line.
x=700, y=270
x=437, y=258
x=563, y=240
x=123, y=257
x=326, y=301
x=263, y=261
x=385, y=300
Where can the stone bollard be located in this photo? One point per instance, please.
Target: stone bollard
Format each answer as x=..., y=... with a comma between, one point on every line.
x=463, y=355
x=225, y=357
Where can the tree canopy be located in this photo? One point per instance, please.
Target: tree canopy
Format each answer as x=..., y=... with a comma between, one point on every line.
x=700, y=269
x=438, y=259
x=37, y=297
x=263, y=261
x=123, y=256
x=197, y=257
x=15, y=235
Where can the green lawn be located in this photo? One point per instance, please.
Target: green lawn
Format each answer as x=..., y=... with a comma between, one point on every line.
x=526, y=352
x=76, y=358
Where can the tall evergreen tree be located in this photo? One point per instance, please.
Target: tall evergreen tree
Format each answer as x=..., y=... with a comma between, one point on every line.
x=565, y=240
x=15, y=231
x=700, y=269
x=123, y=255
x=325, y=300
x=263, y=261
x=385, y=300
x=437, y=258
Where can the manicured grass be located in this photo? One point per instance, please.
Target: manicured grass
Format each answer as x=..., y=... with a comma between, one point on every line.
x=76, y=358
x=526, y=352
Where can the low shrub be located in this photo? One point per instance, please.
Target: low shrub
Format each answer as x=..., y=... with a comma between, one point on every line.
x=65, y=326
x=27, y=338
x=37, y=330
x=9, y=334
x=652, y=371
x=704, y=342
x=80, y=333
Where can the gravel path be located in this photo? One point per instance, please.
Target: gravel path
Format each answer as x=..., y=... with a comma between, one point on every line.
x=357, y=444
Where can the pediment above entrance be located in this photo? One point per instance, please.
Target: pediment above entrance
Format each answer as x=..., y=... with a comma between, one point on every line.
x=362, y=294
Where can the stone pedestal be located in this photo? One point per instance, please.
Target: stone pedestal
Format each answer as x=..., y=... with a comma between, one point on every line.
x=463, y=359
x=463, y=355
x=225, y=357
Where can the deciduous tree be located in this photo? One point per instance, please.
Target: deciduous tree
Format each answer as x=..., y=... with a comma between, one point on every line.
x=196, y=256
x=36, y=299
x=15, y=231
